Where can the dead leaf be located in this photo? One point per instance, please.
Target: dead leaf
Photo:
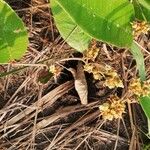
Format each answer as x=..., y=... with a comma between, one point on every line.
x=80, y=83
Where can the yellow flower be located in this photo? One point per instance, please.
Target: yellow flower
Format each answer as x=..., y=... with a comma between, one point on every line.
x=112, y=109
x=112, y=78
x=94, y=69
x=91, y=54
x=109, y=71
x=135, y=87
x=104, y=107
x=56, y=70
x=146, y=88
x=99, y=71
x=139, y=89
x=89, y=67
x=113, y=82
x=97, y=76
x=140, y=27
x=52, y=69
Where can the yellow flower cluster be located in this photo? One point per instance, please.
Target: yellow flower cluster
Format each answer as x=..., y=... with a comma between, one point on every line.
x=146, y=88
x=112, y=109
x=95, y=69
x=91, y=54
x=112, y=79
x=113, y=82
x=56, y=70
x=138, y=88
x=140, y=27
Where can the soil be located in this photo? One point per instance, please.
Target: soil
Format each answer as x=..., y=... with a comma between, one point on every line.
x=38, y=111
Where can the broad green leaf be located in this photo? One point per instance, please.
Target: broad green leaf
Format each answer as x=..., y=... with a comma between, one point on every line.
x=13, y=34
x=145, y=103
x=142, y=9
x=138, y=56
x=105, y=20
x=68, y=29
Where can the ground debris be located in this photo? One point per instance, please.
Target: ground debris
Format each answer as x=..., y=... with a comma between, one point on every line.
x=80, y=83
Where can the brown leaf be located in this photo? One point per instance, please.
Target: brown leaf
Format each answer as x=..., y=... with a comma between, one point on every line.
x=80, y=83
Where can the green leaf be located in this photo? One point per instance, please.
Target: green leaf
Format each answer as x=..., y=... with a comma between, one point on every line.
x=105, y=20
x=138, y=56
x=68, y=29
x=145, y=103
x=13, y=34
x=142, y=9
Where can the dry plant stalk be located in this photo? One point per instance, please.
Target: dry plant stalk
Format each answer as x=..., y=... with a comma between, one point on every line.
x=49, y=99
x=80, y=83
x=78, y=123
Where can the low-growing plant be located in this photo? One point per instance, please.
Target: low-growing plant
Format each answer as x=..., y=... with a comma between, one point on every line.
x=116, y=22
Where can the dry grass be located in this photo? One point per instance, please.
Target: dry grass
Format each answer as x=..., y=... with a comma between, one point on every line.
x=49, y=116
